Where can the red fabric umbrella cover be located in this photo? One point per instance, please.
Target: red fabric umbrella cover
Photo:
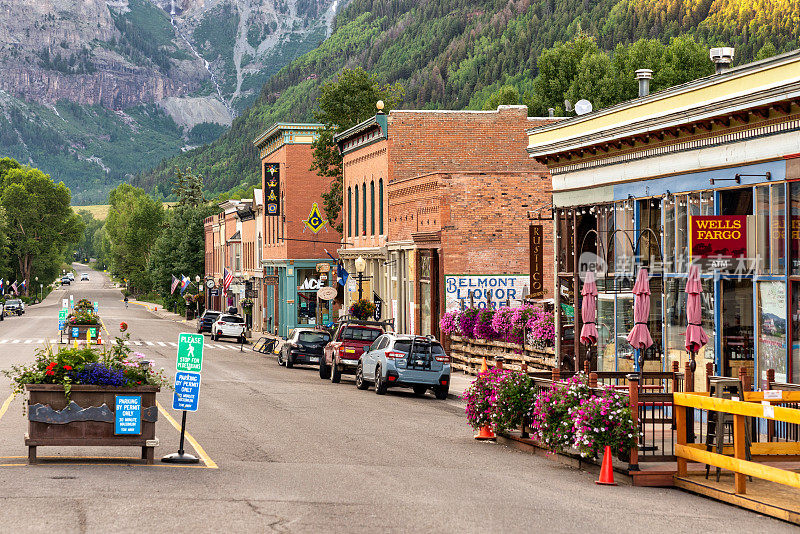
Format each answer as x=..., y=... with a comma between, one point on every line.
x=639, y=336
x=589, y=310
x=696, y=337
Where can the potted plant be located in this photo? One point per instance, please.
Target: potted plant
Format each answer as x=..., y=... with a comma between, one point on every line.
x=72, y=397
x=362, y=309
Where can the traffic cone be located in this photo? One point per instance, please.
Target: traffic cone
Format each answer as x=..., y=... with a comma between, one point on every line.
x=606, y=471
x=485, y=433
x=484, y=367
x=99, y=338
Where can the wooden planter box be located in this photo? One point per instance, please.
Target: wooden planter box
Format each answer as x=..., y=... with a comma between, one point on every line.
x=89, y=421
x=467, y=355
x=82, y=329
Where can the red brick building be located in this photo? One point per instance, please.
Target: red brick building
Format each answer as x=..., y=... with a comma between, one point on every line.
x=449, y=217
x=295, y=231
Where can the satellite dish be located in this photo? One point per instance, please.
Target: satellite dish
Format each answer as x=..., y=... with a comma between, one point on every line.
x=582, y=107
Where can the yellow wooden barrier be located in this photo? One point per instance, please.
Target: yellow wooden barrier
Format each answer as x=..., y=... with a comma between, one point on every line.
x=738, y=464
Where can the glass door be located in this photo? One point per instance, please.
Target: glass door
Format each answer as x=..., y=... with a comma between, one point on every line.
x=738, y=343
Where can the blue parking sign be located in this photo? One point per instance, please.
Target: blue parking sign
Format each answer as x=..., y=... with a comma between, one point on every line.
x=75, y=333
x=128, y=414
x=187, y=391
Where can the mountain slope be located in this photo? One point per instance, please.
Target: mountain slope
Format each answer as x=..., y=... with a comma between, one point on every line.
x=455, y=53
x=148, y=80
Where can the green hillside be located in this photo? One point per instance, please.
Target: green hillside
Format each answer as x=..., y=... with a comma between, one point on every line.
x=457, y=53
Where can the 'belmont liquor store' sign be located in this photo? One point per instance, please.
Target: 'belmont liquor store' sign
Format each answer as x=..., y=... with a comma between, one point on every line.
x=721, y=242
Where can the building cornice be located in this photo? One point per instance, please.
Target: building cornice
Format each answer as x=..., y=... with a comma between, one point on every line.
x=286, y=133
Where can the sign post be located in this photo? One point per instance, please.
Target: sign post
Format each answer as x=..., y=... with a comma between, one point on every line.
x=188, y=366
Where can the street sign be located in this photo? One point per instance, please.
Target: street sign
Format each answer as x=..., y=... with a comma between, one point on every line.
x=187, y=391
x=128, y=414
x=93, y=332
x=65, y=304
x=62, y=318
x=75, y=332
x=96, y=306
x=190, y=352
x=327, y=293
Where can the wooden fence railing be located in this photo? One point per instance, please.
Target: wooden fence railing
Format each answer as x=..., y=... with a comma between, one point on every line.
x=686, y=403
x=467, y=355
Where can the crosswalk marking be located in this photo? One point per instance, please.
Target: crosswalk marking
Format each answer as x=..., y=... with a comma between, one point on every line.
x=138, y=343
x=171, y=344
x=40, y=341
x=127, y=342
x=161, y=343
x=15, y=341
x=27, y=341
x=217, y=345
x=149, y=343
x=3, y=341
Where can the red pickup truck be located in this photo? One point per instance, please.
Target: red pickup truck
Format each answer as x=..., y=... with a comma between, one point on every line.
x=347, y=345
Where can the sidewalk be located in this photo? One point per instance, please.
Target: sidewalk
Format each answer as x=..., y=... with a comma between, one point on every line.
x=459, y=382
x=160, y=312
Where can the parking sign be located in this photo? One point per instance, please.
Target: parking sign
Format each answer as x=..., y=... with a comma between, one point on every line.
x=190, y=352
x=187, y=391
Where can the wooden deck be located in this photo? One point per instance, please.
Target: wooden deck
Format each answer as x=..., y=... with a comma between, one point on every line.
x=764, y=497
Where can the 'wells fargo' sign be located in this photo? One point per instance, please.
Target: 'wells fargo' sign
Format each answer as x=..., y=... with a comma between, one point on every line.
x=718, y=240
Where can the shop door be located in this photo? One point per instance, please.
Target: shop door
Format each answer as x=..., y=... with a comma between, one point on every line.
x=738, y=342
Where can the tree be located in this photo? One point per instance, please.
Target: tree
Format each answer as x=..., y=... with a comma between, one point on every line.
x=507, y=95
x=344, y=102
x=766, y=51
x=41, y=224
x=86, y=245
x=134, y=223
x=188, y=187
x=558, y=67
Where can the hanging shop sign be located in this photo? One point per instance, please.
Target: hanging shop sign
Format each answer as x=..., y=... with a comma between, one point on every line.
x=463, y=290
x=327, y=293
x=537, y=261
x=251, y=293
x=272, y=191
x=271, y=280
x=378, y=301
x=721, y=242
x=323, y=267
x=315, y=222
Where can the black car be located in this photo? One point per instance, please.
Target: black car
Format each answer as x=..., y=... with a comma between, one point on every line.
x=65, y=281
x=304, y=346
x=205, y=321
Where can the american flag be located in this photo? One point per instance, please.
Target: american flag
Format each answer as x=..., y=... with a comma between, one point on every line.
x=227, y=278
x=175, y=282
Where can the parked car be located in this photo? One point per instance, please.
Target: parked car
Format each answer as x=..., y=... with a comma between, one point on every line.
x=228, y=326
x=205, y=321
x=65, y=280
x=71, y=276
x=349, y=341
x=84, y=277
x=401, y=360
x=14, y=306
x=303, y=346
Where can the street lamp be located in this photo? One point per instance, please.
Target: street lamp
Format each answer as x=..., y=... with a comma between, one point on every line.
x=34, y=288
x=361, y=266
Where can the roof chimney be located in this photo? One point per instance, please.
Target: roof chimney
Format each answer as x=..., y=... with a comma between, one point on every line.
x=722, y=58
x=644, y=76
x=551, y=112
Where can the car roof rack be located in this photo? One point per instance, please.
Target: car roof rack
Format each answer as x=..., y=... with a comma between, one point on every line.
x=349, y=319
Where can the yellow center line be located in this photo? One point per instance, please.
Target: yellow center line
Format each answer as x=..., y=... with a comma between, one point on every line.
x=5, y=405
x=206, y=459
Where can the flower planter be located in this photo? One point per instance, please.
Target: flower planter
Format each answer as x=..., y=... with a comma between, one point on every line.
x=87, y=419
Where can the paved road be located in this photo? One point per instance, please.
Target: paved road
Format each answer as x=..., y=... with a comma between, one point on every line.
x=295, y=453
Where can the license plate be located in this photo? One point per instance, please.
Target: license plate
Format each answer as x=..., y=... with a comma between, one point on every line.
x=419, y=363
x=314, y=358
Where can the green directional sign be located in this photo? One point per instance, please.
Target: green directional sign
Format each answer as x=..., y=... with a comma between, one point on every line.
x=190, y=352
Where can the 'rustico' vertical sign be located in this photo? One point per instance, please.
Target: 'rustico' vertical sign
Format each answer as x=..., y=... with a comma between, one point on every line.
x=537, y=261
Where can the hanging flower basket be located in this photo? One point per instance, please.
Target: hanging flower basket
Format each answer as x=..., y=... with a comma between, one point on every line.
x=362, y=309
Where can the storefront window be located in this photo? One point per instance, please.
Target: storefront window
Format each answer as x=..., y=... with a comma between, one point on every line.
x=565, y=241
x=606, y=348
x=681, y=232
x=307, y=285
x=795, y=315
x=625, y=358
x=669, y=235
x=623, y=242
x=762, y=229
x=650, y=236
x=772, y=330
x=707, y=203
x=777, y=226
x=795, y=226
x=675, y=325
x=605, y=227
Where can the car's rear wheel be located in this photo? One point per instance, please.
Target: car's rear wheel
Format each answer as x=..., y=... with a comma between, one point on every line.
x=380, y=385
x=360, y=382
x=441, y=392
x=336, y=374
x=420, y=390
x=324, y=370
x=280, y=358
x=289, y=362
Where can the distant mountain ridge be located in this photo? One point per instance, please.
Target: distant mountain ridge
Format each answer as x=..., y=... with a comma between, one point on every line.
x=454, y=54
x=147, y=83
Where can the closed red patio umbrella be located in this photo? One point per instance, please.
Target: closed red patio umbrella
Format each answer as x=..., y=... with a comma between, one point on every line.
x=696, y=337
x=589, y=310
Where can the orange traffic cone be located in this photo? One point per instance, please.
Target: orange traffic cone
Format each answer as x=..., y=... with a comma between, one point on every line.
x=99, y=339
x=484, y=367
x=606, y=471
x=485, y=433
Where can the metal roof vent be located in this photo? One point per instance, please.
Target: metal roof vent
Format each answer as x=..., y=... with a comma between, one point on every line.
x=722, y=58
x=644, y=76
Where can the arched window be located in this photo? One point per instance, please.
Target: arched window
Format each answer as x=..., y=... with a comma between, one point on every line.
x=350, y=212
x=356, y=214
x=372, y=207
x=380, y=206
x=364, y=214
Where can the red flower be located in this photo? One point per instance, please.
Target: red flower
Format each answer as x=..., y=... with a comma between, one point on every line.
x=50, y=367
x=68, y=367
x=139, y=382
x=50, y=372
